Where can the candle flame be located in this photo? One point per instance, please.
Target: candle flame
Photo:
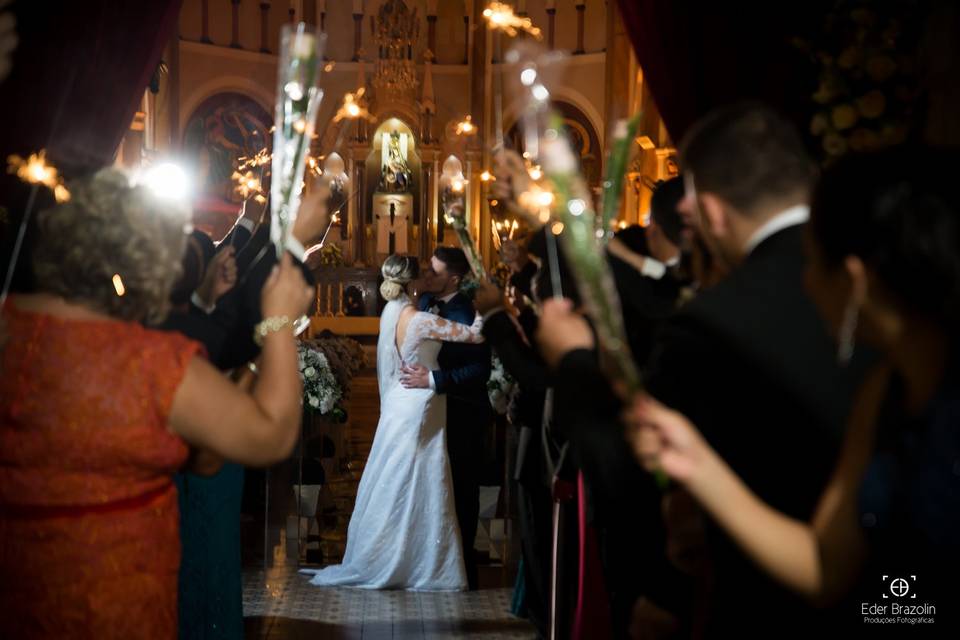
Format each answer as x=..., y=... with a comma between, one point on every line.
x=118, y=284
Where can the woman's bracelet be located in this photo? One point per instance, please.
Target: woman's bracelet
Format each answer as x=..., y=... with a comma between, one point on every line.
x=268, y=326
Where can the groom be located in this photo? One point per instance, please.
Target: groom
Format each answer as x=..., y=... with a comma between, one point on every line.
x=462, y=377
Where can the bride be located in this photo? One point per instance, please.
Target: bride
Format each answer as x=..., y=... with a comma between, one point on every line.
x=403, y=533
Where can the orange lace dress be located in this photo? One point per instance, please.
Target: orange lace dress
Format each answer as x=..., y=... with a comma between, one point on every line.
x=89, y=541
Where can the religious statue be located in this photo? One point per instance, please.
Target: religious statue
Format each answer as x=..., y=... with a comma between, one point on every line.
x=394, y=174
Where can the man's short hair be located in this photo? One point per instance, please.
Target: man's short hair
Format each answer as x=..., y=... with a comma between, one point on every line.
x=748, y=155
x=663, y=209
x=455, y=259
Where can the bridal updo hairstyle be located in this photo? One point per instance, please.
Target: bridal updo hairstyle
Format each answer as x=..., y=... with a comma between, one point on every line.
x=398, y=272
x=111, y=228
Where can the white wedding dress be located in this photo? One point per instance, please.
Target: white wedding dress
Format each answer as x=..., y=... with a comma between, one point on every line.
x=403, y=533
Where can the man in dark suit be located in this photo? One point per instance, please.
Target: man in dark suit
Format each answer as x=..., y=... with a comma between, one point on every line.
x=749, y=360
x=462, y=377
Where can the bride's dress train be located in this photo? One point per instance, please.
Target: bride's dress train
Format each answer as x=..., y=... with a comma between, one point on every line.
x=403, y=533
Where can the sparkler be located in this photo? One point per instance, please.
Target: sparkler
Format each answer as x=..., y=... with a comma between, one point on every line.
x=352, y=109
x=36, y=170
x=500, y=17
x=466, y=127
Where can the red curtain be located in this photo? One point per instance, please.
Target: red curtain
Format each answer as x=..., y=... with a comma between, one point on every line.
x=78, y=75
x=700, y=55
x=79, y=72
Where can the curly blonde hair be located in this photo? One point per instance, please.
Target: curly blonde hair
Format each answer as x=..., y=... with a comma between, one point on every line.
x=110, y=227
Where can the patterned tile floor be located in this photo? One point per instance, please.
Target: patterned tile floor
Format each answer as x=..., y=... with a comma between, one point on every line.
x=282, y=604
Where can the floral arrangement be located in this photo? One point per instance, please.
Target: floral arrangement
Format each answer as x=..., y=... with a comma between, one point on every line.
x=331, y=255
x=500, y=275
x=345, y=355
x=868, y=87
x=321, y=392
x=502, y=389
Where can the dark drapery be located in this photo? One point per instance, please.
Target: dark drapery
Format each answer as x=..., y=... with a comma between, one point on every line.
x=697, y=55
x=78, y=75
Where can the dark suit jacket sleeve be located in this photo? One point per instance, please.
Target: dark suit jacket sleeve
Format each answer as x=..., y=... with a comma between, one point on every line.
x=626, y=499
x=519, y=359
x=471, y=377
x=245, y=307
x=686, y=369
x=247, y=252
x=237, y=238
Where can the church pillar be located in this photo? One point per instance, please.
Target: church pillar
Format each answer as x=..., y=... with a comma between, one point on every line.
x=357, y=28
x=205, y=21
x=581, y=10
x=432, y=33
x=551, y=21
x=235, y=40
x=264, y=27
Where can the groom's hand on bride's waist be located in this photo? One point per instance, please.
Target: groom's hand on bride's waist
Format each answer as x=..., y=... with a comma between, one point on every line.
x=415, y=376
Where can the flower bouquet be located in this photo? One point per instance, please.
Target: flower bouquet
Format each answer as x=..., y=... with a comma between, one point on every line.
x=501, y=387
x=321, y=392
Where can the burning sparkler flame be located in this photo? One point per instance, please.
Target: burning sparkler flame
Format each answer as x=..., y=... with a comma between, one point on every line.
x=500, y=17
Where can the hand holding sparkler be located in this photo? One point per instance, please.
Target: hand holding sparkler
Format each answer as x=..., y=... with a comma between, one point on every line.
x=314, y=218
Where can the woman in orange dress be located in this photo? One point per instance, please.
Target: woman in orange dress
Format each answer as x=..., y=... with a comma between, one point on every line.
x=97, y=413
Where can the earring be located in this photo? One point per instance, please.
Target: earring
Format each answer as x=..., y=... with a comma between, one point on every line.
x=846, y=336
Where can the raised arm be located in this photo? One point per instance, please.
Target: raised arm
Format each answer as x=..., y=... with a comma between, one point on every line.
x=257, y=428
x=431, y=327
x=819, y=559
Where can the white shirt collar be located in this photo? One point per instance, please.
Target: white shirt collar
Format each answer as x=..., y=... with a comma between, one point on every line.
x=447, y=298
x=788, y=218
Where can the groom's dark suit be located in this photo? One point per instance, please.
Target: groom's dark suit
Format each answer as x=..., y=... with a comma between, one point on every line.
x=462, y=377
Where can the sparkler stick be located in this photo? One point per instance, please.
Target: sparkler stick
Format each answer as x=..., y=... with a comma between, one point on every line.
x=36, y=171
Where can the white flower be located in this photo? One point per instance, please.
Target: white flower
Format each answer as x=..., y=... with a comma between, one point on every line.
x=309, y=372
x=304, y=45
x=314, y=401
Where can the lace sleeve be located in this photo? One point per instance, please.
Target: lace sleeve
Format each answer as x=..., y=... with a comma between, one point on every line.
x=431, y=327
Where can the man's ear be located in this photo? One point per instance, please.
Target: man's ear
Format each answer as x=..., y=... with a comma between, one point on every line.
x=714, y=214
